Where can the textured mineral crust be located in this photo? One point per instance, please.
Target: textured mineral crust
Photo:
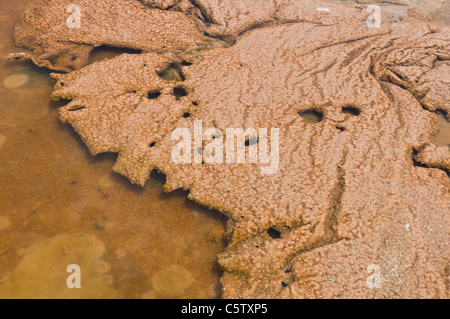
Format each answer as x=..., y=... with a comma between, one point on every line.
x=359, y=192
x=50, y=30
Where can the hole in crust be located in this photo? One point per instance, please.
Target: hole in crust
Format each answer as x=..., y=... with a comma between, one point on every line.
x=186, y=115
x=179, y=92
x=152, y=144
x=340, y=128
x=106, y=52
x=351, y=110
x=153, y=95
x=172, y=73
x=76, y=108
x=251, y=141
x=311, y=115
x=273, y=233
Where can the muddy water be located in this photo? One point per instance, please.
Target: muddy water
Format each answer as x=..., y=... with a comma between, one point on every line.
x=61, y=206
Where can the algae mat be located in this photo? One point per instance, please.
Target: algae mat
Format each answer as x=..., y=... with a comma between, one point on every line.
x=356, y=201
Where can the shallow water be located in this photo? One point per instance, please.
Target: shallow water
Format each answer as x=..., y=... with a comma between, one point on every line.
x=60, y=206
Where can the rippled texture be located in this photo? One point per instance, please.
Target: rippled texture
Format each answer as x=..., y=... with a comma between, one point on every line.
x=106, y=221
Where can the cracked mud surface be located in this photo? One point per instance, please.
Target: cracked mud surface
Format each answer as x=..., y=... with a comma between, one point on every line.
x=364, y=185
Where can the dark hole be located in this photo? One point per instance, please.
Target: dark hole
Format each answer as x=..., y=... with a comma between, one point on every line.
x=311, y=116
x=186, y=63
x=287, y=271
x=351, y=110
x=186, y=115
x=153, y=95
x=152, y=144
x=422, y=95
x=179, y=92
x=73, y=58
x=76, y=108
x=158, y=177
x=61, y=83
x=194, y=103
x=273, y=233
x=340, y=128
x=172, y=73
x=284, y=284
x=132, y=91
x=400, y=76
x=105, y=52
x=204, y=18
x=251, y=141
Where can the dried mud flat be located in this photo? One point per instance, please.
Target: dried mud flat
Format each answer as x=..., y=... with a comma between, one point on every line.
x=364, y=186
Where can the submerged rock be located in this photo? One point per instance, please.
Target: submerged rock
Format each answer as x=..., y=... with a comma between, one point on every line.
x=345, y=186
x=14, y=81
x=42, y=272
x=171, y=281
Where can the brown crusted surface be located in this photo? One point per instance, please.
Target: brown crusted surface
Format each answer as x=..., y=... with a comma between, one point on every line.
x=119, y=23
x=435, y=156
x=347, y=193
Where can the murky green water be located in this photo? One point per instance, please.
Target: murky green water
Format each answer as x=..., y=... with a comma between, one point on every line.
x=60, y=206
